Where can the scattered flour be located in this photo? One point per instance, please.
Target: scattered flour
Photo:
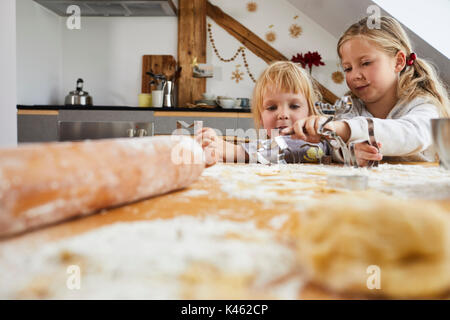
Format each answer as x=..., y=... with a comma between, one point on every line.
x=143, y=260
x=194, y=193
x=404, y=181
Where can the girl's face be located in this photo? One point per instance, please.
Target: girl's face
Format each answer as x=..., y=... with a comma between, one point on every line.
x=282, y=109
x=369, y=72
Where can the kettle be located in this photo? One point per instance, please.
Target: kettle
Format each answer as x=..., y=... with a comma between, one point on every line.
x=78, y=97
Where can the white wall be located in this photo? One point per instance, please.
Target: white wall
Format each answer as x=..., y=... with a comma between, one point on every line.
x=107, y=54
x=419, y=16
x=8, y=123
x=281, y=15
x=39, y=54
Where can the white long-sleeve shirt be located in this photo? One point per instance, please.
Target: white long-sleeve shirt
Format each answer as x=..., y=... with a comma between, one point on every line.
x=405, y=134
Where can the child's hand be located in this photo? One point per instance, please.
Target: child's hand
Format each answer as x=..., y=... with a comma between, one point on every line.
x=211, y=144
x=364, y=152
x=306, y=129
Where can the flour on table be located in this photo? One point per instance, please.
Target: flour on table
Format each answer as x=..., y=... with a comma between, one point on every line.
x=194, y=193
x=144, y=260
x=304, y=180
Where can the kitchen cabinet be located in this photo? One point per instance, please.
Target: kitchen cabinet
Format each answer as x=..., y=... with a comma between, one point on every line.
x=245, y=122
x=105, y=115
x=166, y=122
x=36, y=125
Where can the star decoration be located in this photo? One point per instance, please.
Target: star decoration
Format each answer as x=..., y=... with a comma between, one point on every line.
x=237, y=75
x=337, y=77
x=295, y=30
x=252, y=6
x=271, y=36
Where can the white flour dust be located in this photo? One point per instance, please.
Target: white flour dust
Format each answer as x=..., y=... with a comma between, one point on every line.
x=143, y=260
x=248, y=181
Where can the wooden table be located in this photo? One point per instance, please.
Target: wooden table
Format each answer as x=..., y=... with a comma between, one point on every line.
x=224, y=193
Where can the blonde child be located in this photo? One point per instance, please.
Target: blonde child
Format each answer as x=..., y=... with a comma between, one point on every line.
x=390, y=84
x=283, y=94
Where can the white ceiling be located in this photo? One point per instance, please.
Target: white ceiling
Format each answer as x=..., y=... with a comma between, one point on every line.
x=336, y=15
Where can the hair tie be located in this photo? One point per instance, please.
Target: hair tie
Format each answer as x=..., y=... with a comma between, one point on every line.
x=411, y=59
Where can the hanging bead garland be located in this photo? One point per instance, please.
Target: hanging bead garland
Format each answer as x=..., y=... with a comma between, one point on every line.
x=240, y=50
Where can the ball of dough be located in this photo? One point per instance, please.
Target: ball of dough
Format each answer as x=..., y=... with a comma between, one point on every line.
x=408, y=240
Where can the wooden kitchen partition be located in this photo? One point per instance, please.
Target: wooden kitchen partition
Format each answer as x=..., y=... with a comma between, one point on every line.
x=255, y=44
x=191, y=45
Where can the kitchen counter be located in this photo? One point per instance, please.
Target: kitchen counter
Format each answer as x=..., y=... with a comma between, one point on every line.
x=128, y=108
x=40, y=123
x=230, y=235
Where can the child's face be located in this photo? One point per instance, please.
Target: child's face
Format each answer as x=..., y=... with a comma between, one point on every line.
x=282, y=109
x=369, y=72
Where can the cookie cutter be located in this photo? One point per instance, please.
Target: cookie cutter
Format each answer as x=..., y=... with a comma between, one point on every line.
x=182, y=127
x=274, y=148
x=340, y=107
x=372, y=142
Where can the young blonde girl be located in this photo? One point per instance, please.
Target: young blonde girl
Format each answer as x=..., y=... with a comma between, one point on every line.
x=390, y=84
x=283, y=94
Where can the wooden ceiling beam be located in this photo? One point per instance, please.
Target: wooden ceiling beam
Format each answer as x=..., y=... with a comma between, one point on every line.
x=254, y=43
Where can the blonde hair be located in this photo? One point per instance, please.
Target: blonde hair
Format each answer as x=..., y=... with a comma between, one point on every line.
x=283, y=76
x=418, y=80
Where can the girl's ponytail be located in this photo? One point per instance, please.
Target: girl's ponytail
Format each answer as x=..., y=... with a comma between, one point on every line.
x=420, y=79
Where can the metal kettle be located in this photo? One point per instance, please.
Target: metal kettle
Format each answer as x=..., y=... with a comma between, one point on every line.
x=78, y=97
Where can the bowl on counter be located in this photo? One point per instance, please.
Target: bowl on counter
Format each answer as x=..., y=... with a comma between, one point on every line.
x=226, y=103
x=440, y=129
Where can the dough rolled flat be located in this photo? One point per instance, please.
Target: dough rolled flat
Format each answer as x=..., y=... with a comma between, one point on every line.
x=44, y=183
x=408, y=240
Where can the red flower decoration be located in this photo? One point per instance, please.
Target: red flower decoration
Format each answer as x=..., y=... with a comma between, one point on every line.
x=309, y=59
x=299, y=59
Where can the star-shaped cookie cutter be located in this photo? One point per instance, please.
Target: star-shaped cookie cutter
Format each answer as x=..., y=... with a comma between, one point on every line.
x=340, y=107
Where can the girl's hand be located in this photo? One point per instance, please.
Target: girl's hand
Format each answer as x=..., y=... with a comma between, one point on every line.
x=306, y=129
x=364, y=152
x=212, y=145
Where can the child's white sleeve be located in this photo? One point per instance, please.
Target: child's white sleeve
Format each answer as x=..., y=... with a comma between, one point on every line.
x=405, y=135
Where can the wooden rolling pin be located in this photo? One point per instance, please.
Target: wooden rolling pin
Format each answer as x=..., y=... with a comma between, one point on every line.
x=47, y=182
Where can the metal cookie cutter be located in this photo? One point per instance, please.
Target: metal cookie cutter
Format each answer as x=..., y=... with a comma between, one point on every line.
x=341, y=106
x=271, y=151
x=335, y=111
x=182, y=126
x=372, y=142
